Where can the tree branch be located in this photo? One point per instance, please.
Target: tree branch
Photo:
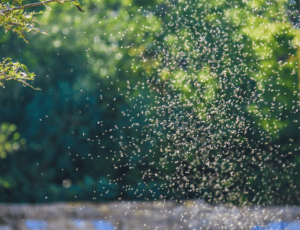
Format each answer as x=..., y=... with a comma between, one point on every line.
x=32, y=5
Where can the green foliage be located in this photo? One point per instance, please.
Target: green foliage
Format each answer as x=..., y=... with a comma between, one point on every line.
x=78, y=6
x=9, y=140
x=153, y=100
x=17, y=21
x=15, y=71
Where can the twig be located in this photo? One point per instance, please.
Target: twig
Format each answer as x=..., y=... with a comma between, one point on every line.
x=32, y=5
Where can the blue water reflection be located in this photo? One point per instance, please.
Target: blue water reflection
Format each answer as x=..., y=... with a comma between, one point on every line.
x=42, y=225
x=102, y=225
x=280, y=226
x=79, y=223
x=36, y=224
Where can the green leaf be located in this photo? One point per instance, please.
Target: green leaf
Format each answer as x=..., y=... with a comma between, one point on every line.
x=25, y=68
x=78, y=6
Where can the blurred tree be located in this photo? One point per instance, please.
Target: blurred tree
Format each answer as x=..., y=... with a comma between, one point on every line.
x=9, y=139
x=10, y=142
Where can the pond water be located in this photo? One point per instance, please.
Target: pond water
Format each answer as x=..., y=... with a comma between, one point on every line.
x=280, y=226
x=36, y=224
x=80, y=224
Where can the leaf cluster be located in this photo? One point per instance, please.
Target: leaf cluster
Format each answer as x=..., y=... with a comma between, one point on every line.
x=15, y=71
x=17, y=21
